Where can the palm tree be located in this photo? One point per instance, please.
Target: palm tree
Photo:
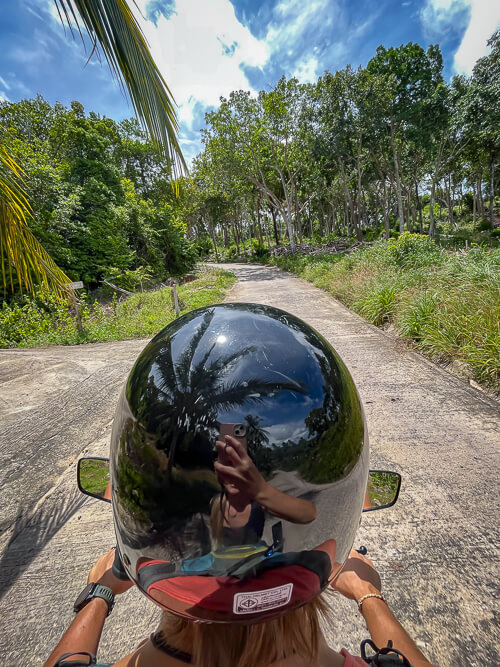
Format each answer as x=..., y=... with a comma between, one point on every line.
x=115, y=34
x=20, y=252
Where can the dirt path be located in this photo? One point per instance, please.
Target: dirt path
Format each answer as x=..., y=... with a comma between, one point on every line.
x=435, y=549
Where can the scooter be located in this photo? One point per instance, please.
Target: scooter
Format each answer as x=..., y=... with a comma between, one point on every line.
x=93, y=480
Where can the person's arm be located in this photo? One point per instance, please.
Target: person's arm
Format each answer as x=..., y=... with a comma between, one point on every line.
x=285, y=506
x=85, y=630
x=359, y=578
x=242, y=474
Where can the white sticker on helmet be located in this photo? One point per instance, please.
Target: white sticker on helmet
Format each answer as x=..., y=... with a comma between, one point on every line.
x=260, y=601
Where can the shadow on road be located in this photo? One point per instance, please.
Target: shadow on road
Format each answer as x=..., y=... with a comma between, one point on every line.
x=31, y=533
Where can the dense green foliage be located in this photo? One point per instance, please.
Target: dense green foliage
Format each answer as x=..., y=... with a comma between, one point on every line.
x=100, y=192
x=369, y=152
x=50, y=322
x=447, y=303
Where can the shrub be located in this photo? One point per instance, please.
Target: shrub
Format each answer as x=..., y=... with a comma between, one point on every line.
x=378, y=306
x=203, y=246
x=413, y=250
x=483, y=226
x=131, y=280
x=35, y=322
x=259, y=250
x=415, y=315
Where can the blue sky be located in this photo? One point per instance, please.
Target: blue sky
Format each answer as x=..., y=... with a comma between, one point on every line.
x=206, y=48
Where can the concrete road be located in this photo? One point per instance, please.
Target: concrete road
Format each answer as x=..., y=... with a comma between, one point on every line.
x=436, y=549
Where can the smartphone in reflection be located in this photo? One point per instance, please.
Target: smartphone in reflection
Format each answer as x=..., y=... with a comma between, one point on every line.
x=238, y=431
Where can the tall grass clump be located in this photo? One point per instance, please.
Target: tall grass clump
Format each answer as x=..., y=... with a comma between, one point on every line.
x=446, y=303
x=51, y=322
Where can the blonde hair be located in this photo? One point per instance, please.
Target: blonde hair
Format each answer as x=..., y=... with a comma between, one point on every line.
x=217, y=510
x=296, y=633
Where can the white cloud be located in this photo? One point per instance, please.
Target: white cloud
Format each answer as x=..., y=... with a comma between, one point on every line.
x=484, y=19
x=200, y=51
x=439, y=18
x=307, y=71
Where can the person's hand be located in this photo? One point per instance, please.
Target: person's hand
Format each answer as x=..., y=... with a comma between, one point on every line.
x=101, y=573
x=357, y=578
x=236, y=470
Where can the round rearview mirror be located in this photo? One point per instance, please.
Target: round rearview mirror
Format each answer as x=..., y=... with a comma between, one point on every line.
x=93, y=477
x=382, y=490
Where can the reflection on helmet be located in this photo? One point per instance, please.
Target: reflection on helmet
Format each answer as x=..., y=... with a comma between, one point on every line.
x=213, y=552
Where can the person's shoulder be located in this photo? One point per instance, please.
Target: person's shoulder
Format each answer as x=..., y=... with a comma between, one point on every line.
x=352, y=660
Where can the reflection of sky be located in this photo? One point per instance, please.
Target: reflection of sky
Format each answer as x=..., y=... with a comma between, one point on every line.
x=275, y=353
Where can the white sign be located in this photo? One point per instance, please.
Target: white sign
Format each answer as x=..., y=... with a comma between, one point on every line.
x=77, y=285
x=257, y=601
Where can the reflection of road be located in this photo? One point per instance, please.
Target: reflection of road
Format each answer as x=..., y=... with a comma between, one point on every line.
x=424, y=423
x=332, y=502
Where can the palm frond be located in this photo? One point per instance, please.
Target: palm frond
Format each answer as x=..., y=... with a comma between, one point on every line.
x=113, y=30
x=20, y=252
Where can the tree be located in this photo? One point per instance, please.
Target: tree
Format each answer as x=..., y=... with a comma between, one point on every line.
x=482, y=113
x=411, y=79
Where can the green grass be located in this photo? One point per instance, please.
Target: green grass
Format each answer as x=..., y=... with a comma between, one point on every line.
x=382, y=487
x=94, y=476
x=34, y=323
x=446, y=303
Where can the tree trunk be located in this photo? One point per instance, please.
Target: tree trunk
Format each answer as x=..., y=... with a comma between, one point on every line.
x=480, y=199
x=214, y=240
x=275, y=227
x=492, y=190
x=358, y=198
x=354, y=221
x=235, y=237
x=398, y=180
x=451, y=219
x=474, y=204
x=259, y=226
x=419, y=208
x=385, y=208
x=431, y=210
x=286, y=211
x=408, y=213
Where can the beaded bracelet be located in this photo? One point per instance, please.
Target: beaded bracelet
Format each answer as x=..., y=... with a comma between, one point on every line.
x=379, y=596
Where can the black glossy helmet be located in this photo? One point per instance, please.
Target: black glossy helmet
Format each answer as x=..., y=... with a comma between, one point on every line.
x=259, y=523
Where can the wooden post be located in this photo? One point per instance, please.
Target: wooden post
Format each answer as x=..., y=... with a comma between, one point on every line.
x=176, y=299
x=78, y=315
x=76, y=304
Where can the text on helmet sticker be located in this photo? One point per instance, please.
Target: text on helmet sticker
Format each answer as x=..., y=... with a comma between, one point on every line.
x=259, y=601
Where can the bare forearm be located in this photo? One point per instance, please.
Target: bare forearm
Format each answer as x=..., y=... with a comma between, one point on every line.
x=285, y=506
x=84, y=632
x=384, y=626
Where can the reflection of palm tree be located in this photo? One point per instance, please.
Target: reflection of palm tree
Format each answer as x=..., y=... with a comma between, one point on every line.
x=258, y=439
x=184, y=396
x=256, y=431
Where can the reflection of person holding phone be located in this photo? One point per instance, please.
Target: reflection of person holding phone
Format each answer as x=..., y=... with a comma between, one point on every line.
x=247, y=495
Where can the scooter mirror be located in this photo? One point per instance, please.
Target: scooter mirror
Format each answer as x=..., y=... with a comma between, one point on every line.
x=93, y=477
x=382, y=490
